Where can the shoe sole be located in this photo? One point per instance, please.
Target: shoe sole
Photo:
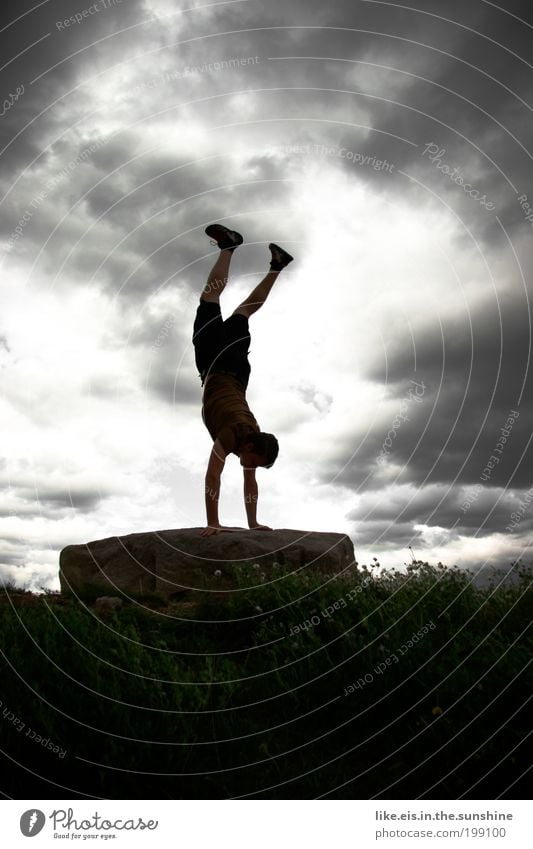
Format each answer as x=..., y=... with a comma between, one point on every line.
x=285, y=257
x=220, y=233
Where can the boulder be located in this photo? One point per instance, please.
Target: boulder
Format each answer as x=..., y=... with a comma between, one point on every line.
x=177, y=562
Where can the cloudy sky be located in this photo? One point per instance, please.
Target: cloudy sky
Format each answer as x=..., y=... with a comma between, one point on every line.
x=389, y=148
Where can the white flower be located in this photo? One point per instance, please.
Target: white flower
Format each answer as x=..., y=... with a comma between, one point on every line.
x=259, y=609
x=217, y=573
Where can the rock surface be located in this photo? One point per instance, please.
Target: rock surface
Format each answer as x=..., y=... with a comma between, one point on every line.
x=176, y=562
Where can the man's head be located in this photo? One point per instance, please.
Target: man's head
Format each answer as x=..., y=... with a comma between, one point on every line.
x=259, y=449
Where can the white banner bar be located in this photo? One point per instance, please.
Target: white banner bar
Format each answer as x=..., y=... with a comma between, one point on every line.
x=263, y=824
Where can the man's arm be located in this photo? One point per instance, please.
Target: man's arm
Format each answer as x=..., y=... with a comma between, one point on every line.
x=250, y=500
x=215, y=466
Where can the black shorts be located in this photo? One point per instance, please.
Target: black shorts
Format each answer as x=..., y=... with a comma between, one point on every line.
x=221, y=346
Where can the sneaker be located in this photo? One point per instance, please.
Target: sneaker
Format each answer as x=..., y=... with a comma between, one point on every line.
x=280, y=258
x=224, y=238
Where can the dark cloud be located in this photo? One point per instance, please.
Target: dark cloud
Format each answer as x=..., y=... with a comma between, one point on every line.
x=9, y=558
x=461, y=511
x=475, y=404
x=48, y=62
x=417, y=77
x=46, y=500
x=175, y=388
x=477, y=375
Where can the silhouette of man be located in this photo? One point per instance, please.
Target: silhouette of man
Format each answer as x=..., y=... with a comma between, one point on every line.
x=221, y=353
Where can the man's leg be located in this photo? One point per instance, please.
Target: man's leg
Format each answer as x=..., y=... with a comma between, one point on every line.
x=208, y=330
x=258, y=296
x=227, y=240
x=218, y=277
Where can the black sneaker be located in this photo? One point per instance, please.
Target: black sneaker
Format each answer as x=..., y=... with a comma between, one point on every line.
x=224, y=238
x=280, y=258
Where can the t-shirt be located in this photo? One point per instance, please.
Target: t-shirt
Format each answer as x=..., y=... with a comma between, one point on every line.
x=225, y=412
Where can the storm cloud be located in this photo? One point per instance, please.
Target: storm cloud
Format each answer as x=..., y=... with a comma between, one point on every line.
x=388, y=148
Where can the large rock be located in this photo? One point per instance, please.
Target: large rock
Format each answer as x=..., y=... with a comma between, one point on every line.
x=175, y=562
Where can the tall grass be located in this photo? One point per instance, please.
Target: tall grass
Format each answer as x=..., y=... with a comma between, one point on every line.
x=287, y=690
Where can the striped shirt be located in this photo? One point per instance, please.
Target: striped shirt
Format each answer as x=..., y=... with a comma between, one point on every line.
x=225, y=412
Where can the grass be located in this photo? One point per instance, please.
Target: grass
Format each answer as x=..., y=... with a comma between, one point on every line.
x=392, y=685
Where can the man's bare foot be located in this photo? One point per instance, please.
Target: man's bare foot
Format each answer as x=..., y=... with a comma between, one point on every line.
x=218, y=529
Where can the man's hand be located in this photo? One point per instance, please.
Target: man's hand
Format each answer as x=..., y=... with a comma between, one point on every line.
x=259, y=528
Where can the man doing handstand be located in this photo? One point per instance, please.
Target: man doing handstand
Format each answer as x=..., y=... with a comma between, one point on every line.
x=221, y=353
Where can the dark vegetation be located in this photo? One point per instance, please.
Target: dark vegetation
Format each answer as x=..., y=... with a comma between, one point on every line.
x=262, y=693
